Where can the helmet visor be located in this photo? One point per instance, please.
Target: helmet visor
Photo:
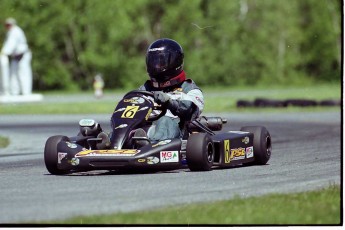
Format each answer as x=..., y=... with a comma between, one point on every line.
x=160, y=64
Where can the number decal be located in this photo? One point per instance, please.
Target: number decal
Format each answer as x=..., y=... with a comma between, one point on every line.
x=130, y=111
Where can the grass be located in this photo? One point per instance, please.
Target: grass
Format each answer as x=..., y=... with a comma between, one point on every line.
x=60, y=108
x=214, y=100
x=321, y=207
x=219, y=99
x=4, y=142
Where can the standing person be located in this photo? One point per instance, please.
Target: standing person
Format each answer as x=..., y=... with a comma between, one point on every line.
x=17, y=50
x=98, y=85
x=180, y=95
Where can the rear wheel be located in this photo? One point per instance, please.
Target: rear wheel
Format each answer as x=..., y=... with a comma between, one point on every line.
x=262, y=144
x=51, y=155
x=200, y=152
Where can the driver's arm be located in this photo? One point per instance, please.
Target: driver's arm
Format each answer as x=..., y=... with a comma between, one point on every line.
x=184, y=107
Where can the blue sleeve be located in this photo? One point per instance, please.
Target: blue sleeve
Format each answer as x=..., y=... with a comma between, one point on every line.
x=182, y=108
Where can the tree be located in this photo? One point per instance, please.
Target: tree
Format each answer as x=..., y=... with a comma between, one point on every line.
x=225, y=42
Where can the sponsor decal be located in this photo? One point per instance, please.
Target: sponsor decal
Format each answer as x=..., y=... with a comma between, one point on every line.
x=130, y=111
x=148, y=114
x=93, y=154
x=71, y=145
x=74, y=161
x=238, y=154
x=121, y=126
x=61, y=156
x=227, y=157
x=169, y=156
x=199, y=100
x=162, y=143
x=152, y=160
x=119, y=110
x=249, y=152
x=110, y=152
x=141, y=160
x=135, y=100
x=143, y=108
x=245, y=140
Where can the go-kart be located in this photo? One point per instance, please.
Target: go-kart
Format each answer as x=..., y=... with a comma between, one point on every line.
x=201, y=149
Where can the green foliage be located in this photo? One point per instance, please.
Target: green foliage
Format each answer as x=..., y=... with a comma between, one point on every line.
x=4, y=142
x=226, y=42
x=321, y=45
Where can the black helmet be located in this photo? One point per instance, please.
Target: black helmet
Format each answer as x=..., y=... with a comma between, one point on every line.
x=164, y=60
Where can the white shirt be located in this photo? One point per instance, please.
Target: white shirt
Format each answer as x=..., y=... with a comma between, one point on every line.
x=15, y=42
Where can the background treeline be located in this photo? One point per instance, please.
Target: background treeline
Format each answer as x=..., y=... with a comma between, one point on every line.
x=226, y=42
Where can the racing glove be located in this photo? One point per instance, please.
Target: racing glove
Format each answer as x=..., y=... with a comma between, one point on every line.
x=161, y=98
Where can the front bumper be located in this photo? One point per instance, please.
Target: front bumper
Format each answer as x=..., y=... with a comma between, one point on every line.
x=163, y=155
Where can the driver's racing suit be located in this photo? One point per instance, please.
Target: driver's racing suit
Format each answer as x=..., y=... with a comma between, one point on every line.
x=186, y=102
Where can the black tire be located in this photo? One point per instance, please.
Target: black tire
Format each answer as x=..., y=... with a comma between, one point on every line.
x=51, y=154
x=261, y=102
x=262, y=144
x=330, y=103
x=200, y=152
x=244, y=103
x=301, y=102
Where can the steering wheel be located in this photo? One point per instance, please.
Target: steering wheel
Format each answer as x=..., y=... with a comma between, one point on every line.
x=162, y=109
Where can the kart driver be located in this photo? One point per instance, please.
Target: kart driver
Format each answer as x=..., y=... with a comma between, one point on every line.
x=180, y=95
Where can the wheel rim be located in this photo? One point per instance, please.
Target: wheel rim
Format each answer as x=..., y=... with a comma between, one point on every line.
x=209, y=152
x=268, y=146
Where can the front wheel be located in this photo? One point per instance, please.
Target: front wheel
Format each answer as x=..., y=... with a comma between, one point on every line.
x=51, y=154
x=262, y=144
x=200, y=152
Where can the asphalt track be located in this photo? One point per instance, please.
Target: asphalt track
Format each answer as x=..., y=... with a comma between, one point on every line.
x=306, y=156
